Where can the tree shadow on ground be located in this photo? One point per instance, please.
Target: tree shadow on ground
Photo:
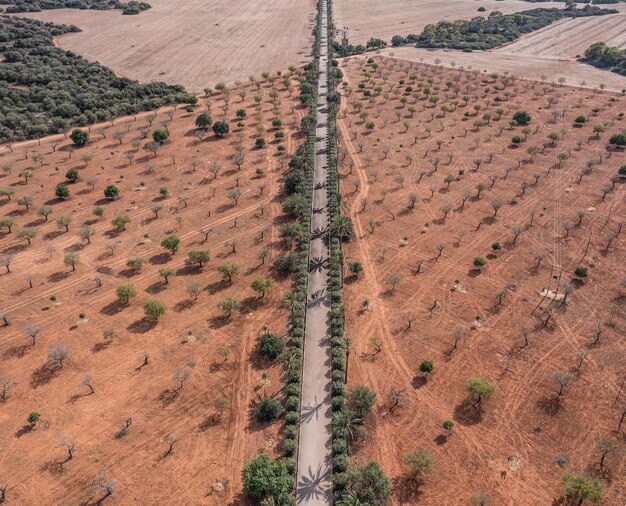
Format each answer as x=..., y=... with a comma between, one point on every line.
x=407, y=490
x=168, y=396
x=419, y=381
x=44, y=374
x=466, y=414
x=157, y=287
x=98, y=347
x=209, y=421
x=141, y=326
x=549, y=405
x=16, y=351
x=113, y=308
x=26, y=429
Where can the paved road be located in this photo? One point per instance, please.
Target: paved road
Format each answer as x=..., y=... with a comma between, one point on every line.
x=314, y=485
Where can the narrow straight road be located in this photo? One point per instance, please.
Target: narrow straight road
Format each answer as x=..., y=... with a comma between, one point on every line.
x=314, y=479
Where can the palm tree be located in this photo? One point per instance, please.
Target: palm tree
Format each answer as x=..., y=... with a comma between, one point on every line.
x=289, y=359
x=350, y=500
x=353, y=425
x=342, y=226
x=290, y=301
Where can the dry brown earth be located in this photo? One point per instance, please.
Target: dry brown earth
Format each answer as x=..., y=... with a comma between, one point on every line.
x=525, y=66
x=372, y=18
x=189, y=336
x=193, y=42
x=509, y=448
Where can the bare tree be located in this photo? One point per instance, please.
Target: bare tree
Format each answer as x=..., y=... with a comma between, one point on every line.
x=87, y=383
x=581, y=355
x=6, y=384
x=105, y=485
x=7, y=260
x=123, y=430
x=456, y=337
x=395, y=396
x=58, y=353
x=524, y=333
x=440, y=247
x=32, y=329
x=563, y=380
x=70, y=445
x=180, y=377
x=171, y=439
x=604, y=447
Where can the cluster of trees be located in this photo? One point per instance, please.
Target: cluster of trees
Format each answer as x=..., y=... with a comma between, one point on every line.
x=351, y=49
x=497, y=29
x=129, y=8
x=606, y=57
x=46, y=90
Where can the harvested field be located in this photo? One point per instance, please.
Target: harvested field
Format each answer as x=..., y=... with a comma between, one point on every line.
x=371, y=18
x=76, y=308
x=526, y=66
x=430, y=190
x=190, y=42
x=569, y=38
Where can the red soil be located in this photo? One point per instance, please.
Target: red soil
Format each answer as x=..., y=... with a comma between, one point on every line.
x=509, y=448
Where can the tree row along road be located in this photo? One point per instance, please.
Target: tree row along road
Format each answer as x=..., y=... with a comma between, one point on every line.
x=314, y=477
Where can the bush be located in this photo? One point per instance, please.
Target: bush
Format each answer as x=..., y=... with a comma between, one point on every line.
x=154, y=309
x=522, y=117
x=160, y=136
x=369, y=484
x=61, y=191
x=268, y=410
x=289, y=447
x=618, y=140
x=516, y=140
x=204, y=121
x=125, y=292
x=72, y=175
x=361, y=400
x=111, y=192
x=221, y=128
x=171, y=243
x=270, y=345
x=265, y=479
x=580, y=272
x=479, y=262
x=79, y=137
x=292, y=418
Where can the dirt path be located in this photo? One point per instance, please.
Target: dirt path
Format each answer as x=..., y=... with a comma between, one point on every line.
x=314, y=485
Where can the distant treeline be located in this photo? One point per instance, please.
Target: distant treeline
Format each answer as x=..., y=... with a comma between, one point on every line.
x=605, y=57
x=45, y=90
x=16, y=6
x=358, y=48
x=497, y=29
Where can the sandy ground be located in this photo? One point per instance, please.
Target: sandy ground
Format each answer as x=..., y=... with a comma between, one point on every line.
x=372, y=18
x=193, y=42
x=189, y=336
x=508, y=448
x=569, y=38
x=522, y=65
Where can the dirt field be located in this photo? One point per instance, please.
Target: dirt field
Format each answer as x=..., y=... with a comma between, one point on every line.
x=191, y=42
x=191, y=335
x=570, y=38
x=527, y=66
x=510, y=446
x=371, y=18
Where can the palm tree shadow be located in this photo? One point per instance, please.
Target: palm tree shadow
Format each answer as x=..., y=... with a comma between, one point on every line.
x=311, y=411
x=313, y=486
